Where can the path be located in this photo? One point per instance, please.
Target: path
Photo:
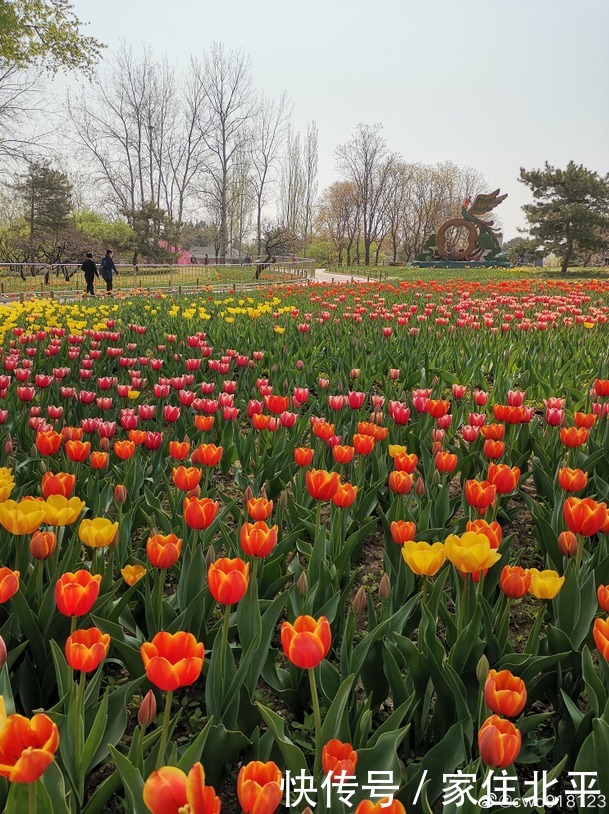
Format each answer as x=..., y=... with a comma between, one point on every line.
x=322, y=276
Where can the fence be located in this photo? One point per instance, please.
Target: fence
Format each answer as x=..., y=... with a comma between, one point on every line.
x=66, y=279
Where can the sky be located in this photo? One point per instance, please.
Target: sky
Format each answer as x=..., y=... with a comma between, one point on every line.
x=492, y=84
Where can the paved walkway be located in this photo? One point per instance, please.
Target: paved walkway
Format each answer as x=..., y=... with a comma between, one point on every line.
x=322, y=276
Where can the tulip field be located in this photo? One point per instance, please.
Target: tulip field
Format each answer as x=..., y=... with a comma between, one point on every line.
x=323, y=548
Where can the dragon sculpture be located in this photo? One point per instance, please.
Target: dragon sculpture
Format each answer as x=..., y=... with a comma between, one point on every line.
x=483, y=241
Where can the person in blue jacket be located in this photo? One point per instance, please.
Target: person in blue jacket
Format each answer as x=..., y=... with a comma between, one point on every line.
x=107, y=269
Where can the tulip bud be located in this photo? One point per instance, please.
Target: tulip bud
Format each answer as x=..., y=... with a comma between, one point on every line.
x=302, y=585
x=104, y=444
x=384, y=587
x=437, y=447
x=210, y=556
x=419, y=487
x=3, y=653
x=283, y=500
x=394, y=373
x=482, y=669
x=8, y=445
x=248, y=495
x=195, y=491
x=567, y=543
x=307, y=810
x=147, y=711
x=42, y=544
x=436, y=479
x=359, y=603
x=120, y=494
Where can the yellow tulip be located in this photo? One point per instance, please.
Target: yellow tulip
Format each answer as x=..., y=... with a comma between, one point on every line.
x=424, y=559
x=396, y=449
x=59, y=511
x=22, y=517
x=132, y=573
x=7, y=483
x=471, y=552
x=98, y=532
x=545, y=584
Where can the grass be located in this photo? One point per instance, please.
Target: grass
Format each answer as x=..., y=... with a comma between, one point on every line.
x=483, y=275
x=167, y=277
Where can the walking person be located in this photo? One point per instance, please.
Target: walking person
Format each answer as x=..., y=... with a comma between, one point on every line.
x=91, y=272
x=107, y=269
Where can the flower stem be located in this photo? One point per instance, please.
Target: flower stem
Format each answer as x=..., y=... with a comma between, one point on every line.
x=32, y=798
x=317, y=718
x=531, y=645
x=580, y=551
x=224, y=644
x=462, y=604
x=164, y=729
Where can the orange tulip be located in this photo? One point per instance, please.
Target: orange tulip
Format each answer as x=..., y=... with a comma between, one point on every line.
x=259, y=787
x=47, y=443
x=504, y=479
x=480, y=494
x=173, y=660
x=207, y=455
x=515, y=581
x=323, y=430
x=138, y=437
x=381, y=807
x=493, y=432
x=199, y=513
x=163, y=550
x=437, y=408
x=446, y=462
x=572, y=480
x=406, y=462
x=306, y=643
x=186, y=478
x=124, y=449
x=586, y=420
x=402, y=531
x=27, y=747
x=303, y=456
x=78, y=451
x=257, y=539
x=603, y=597
x=169, y=791
x=339, y=758
x=499, y=742
x=567, y=543
x=363, y=444
x=493, y=449
x=379, y=433
x=99, y=460
x=600, y=631
x=60, y=484
x=400, y=482
x=85, y=649
x=345, y=496
x=204, y=423
x=75, y=593
x=343, y=454
x=601, y=387
x=261, y=421
x=42, y=544
x=505, y=693
x=493, y=530
x=573, y=436
x=9, y=584
x=259, y=508
x=322, y=485
x=228, y=579
x=178, y=450
x=585, y=517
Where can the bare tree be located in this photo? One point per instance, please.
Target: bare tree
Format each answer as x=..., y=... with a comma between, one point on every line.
x=310, y=162
x=138, y=127
x=227, y=87
x=22, y=105
x=339, y=217
x=268, y=134
x=293, y=184
x=365, y=160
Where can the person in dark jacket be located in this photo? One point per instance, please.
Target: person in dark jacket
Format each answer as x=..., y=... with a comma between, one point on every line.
x=90, y=270
x=107, y=269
